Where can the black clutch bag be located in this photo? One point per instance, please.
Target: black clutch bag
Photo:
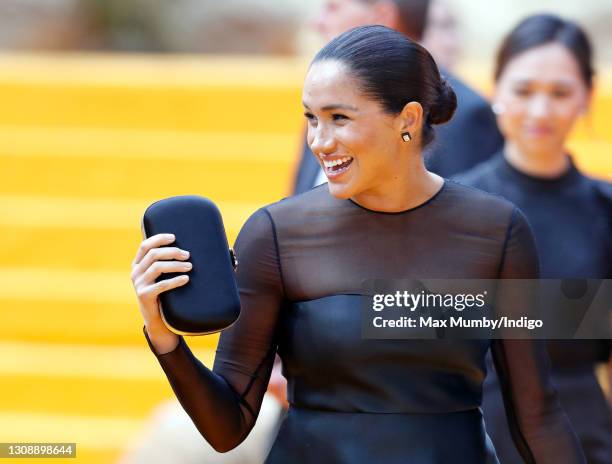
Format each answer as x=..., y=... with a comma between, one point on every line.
x=209, y=301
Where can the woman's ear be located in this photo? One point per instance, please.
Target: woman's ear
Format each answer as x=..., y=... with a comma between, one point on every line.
x=411, y=118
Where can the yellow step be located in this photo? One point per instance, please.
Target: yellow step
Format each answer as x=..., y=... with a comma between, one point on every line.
x=97, y=213
x=142, y=164
x=84, y=379
x=53, y=247
x=95, y=397
x=148, y=145
x=84, y=233
x=98, y=397
x=70, y=305
x=60, y=246
x=104, y=323
x=78, y=322
x=152, y=92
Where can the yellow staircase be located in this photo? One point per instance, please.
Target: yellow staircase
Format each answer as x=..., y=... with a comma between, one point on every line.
x=86, y=143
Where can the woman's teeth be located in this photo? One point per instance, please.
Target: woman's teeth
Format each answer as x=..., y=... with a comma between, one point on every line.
x=337, y=164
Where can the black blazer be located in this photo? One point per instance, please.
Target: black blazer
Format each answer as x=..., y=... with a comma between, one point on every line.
x=469, y=138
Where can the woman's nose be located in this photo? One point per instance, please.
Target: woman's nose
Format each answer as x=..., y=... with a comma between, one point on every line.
x=539, y=106
x=322, y=142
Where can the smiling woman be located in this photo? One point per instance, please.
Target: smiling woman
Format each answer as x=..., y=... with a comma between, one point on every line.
x=302, y=264
x=368, y=121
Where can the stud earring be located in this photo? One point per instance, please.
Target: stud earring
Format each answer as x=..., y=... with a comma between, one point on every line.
x=406, y=136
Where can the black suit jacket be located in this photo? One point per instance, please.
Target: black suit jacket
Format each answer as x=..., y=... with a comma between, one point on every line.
x=469, y=138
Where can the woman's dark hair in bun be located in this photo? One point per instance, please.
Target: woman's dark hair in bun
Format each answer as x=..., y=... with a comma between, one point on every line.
x=537, y=30
x=444, y=107
x=394, y=70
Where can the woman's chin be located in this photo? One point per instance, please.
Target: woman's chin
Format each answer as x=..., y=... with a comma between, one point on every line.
x=542, y=144
x=340, y=190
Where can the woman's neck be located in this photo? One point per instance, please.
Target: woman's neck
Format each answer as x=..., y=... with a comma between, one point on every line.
x=550, y=164
x=411, y=186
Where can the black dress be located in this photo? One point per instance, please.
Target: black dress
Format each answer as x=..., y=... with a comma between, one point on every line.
x=571, y=217
x=354, y=400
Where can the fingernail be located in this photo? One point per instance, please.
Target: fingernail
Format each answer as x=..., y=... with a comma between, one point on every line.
x=185, y=254
x=170, y=236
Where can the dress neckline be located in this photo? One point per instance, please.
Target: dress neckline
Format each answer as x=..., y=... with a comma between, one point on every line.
x=570, y=175
x=421, y=205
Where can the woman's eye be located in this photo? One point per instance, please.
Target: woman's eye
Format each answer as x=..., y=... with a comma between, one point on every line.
x=560, y=93
x=311, y=118
x=521, y=92
x=339, y=117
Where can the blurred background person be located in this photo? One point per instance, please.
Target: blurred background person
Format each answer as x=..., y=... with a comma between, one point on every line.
x=49, y=25
x=472, y=135
x=544, y=83
x=185, y=26
x=441, y=36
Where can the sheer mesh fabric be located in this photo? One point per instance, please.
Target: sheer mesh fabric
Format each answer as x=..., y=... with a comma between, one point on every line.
x=314, y=247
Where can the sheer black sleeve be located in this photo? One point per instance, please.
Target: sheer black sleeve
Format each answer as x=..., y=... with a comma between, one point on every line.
x=224, y=403
x=539, y=427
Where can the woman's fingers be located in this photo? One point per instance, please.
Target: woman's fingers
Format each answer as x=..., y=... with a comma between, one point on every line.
x=154, y=258
x=161, y=267
x=150, y=292
x=154, y=241
x=158, y=254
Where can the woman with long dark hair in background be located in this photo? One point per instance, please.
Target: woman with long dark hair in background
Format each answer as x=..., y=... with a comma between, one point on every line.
x=544, y=82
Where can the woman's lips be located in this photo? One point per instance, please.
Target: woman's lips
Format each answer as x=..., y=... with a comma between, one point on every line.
x=335, y=168
x=539, y=131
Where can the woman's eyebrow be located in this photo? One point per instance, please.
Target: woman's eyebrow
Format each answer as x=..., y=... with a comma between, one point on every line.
x=557, y=82
x=334, y=107
x=338, y=106
x=523, y=81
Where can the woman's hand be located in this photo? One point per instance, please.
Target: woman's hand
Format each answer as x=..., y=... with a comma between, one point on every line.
x=152, y=260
